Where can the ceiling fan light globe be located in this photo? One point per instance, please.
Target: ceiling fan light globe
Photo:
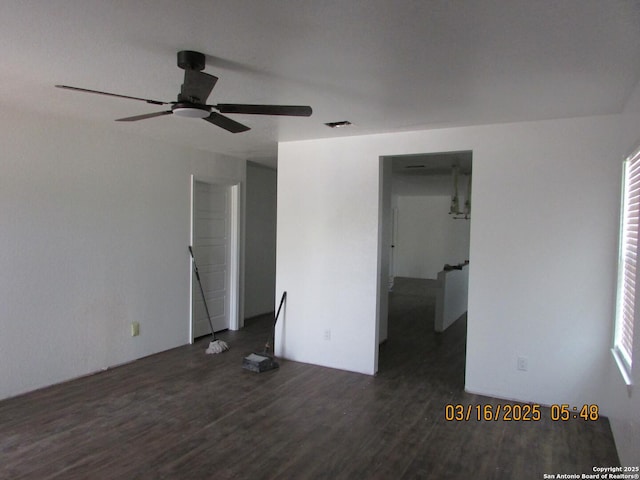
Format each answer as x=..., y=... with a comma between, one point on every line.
x=191, y=112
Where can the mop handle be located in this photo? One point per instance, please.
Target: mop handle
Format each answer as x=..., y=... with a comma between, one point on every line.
x=284, y=296
x=204, y=300
x=275, y=321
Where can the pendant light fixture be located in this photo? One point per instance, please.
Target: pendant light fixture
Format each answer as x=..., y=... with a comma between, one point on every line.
x=454, y=209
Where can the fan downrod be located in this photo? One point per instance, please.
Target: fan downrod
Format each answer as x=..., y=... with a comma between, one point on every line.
x=188, y=59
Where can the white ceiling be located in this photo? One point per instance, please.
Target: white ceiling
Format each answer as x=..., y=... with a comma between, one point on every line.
x=385, y=65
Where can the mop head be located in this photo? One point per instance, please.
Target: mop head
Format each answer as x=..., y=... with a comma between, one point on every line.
x=217, y=346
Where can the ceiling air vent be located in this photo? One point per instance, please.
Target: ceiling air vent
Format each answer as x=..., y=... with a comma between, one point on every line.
x=343, y=123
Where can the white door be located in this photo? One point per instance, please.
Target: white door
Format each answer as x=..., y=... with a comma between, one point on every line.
x=211, y=248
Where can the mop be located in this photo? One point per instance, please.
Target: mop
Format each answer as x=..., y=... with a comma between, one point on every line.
x=215, y=346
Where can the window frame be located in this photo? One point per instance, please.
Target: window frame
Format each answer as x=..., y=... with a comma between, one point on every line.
x=626, y=291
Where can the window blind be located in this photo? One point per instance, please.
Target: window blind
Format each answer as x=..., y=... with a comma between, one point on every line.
x=625, y=315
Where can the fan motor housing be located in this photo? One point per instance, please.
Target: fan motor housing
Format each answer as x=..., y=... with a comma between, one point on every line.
x=188, y=59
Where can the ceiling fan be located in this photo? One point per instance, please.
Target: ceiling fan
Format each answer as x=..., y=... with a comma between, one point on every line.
x=193, y=95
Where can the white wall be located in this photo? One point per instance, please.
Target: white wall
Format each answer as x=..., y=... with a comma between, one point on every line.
x=543, y=251
x=95, y=228
x=260, y=244
x=427, y=236
x=327, y=254
x=421, y=185
x=632, y=104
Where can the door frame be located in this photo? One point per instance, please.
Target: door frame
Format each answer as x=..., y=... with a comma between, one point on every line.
x=234, y=248
x=387, y=232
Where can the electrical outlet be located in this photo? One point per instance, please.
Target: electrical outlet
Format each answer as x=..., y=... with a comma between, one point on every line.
x=135, y=329
x=327, y=334
x=523, y=364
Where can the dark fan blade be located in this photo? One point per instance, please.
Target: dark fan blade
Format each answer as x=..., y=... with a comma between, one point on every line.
x=86, y=90
x=290, y=110
x=226, y=123
x=142, y=117
x=197, y=86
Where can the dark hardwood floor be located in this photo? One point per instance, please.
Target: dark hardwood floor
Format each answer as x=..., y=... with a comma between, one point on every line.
x=182, y=414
